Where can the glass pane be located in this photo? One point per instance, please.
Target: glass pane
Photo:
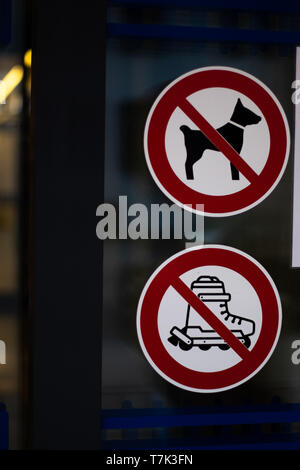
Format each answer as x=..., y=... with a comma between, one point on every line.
x=138, y=68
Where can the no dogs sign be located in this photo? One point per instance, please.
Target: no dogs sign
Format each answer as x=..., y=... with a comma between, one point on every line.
x=209, y=318
x=217, y=136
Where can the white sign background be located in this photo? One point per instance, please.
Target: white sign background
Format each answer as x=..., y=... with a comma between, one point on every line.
x=173, y=309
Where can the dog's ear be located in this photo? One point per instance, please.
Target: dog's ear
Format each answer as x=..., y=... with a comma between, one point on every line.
x=239, y=101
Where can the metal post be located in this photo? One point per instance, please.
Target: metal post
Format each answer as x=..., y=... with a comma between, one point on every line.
x=68, y=147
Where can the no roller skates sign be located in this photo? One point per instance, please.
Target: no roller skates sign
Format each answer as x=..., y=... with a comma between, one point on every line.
x=209, y=318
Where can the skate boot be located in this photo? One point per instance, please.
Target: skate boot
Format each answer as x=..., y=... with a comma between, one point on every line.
x=197, y=332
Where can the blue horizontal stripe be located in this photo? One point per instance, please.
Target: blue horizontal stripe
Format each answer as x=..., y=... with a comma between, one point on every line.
x=152, y=445
x=248, y=5
x=202, y=33
x=126, y=419
x=229, y=442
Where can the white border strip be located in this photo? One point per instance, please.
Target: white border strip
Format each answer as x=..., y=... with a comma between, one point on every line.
x=296, y=203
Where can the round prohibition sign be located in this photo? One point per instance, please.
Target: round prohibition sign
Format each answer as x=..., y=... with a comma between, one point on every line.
x=169, y=277
x=258, y=183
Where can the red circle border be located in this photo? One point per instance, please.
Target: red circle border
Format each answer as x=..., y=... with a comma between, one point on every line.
x=155, y=140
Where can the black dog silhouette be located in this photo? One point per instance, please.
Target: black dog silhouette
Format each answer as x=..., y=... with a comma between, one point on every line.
x=233, y=131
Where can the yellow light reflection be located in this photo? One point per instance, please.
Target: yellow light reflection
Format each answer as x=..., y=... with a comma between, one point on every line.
x=27, y=58
x=10, y=81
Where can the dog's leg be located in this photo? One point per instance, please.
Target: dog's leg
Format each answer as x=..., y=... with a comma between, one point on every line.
x=235, y=174
x=189, y=170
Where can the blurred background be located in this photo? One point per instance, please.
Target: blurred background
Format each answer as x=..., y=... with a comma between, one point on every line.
x=15, y=87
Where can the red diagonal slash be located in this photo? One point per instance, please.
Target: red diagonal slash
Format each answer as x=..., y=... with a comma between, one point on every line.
x=219, y=141
x=209, y=317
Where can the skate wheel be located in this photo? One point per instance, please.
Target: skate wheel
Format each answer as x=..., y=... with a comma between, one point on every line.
x=173, y=340
x=247, y=341
x=224, y=347
x=205, y=347
x=184, y=346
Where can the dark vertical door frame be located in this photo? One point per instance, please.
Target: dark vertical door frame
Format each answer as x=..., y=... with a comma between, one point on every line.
x=68, y=148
